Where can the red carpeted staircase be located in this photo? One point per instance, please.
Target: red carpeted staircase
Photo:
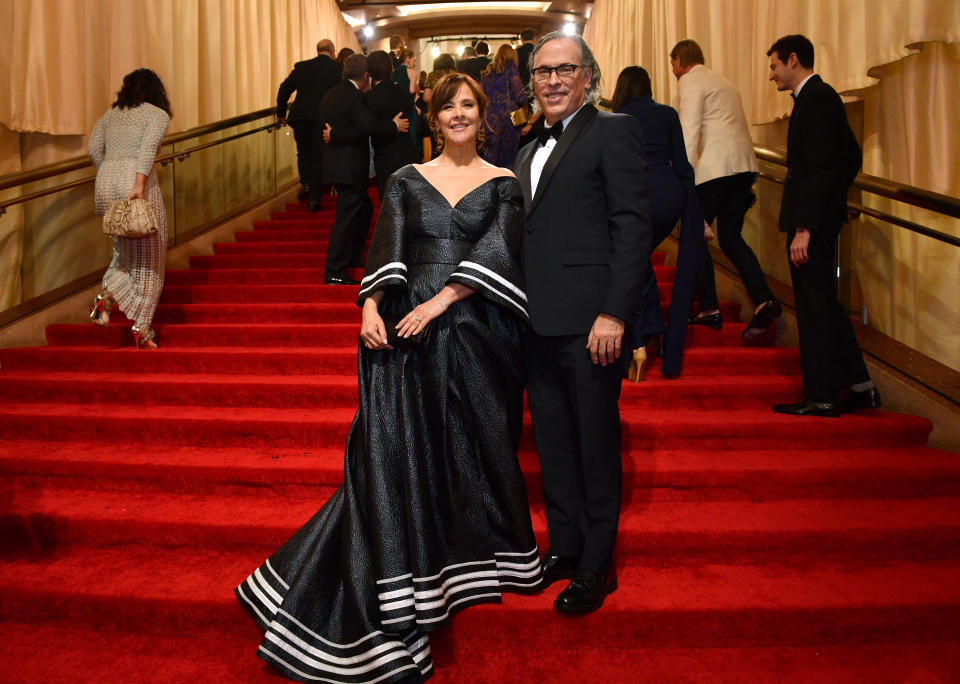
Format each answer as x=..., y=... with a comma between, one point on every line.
x=140, y=487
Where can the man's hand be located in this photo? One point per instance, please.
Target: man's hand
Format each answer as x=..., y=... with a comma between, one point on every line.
x=798, y=248
x=281, y=120
x=403, y=125
x=707, y=231
x=605, y=339
x=326, y=133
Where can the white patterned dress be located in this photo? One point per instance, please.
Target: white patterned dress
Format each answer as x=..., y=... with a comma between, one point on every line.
x=123, y=143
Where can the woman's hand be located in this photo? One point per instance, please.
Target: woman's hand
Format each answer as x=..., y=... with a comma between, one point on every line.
x=139, y=188
x=707, y=231
x=373, y=331
x=415, y=321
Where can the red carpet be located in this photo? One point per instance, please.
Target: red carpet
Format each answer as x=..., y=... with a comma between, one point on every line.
x=139, y=488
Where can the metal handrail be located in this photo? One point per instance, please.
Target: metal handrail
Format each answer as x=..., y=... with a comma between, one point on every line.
x=918, y=197
x=163, y=160
x=12, y=180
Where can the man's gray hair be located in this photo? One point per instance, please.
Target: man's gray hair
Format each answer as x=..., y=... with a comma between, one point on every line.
x=355, y=66
x=587, y=60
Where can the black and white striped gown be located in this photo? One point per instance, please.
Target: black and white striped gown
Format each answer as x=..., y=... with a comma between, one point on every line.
x=432, y=516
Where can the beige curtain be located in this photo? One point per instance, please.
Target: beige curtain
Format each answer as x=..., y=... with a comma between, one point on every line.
x=897, y=62
x=61, y=64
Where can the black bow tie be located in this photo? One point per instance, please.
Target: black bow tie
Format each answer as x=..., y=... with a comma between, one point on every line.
x=553, y=132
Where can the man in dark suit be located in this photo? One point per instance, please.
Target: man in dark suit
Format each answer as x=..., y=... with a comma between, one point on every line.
x=474, y=66
x=385, y=99
x=822, y=159
x=584, y=254
x=523, y=55
x=346, y=165
x=311, y=79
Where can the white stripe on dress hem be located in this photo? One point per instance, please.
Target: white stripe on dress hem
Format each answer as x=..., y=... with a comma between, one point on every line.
x=274, y=572
x=316, y=678
x=313, y=656
x=255, y=609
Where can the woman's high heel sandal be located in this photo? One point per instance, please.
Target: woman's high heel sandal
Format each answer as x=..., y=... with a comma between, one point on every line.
x=100, y=315
x=143, y=335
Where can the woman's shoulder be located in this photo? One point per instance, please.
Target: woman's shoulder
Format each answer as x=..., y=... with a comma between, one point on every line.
x=152, y=111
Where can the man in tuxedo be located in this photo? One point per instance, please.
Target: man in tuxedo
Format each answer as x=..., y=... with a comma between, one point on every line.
x=346, y=165
x=823, y=157
x=311, y=79
x=474, y=66
x=523, y=55
x=584, y=254
x=720, y=149
x=385, y=98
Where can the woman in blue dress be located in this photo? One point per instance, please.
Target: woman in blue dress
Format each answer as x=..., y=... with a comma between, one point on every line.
x=673, y=197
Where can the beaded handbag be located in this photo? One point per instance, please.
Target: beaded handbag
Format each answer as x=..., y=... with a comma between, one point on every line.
x=130, y=218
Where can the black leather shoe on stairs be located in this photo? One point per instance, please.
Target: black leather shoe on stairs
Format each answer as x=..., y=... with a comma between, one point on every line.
x=806, y=407
x=586, y=592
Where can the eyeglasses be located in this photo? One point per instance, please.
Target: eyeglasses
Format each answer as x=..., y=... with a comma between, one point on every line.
x=563, y=71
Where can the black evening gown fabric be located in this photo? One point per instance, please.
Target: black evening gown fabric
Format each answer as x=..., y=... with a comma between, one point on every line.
x=432, y=516
x=673, y=197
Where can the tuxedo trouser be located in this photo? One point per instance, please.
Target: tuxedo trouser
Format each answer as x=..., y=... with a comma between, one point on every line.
x=350, y=227
x=830, y=357
x=728, y=199
x=308, y=136
x=576, y=421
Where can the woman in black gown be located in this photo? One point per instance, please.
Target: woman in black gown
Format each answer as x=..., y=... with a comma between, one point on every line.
x=673, y=197
x=432, y=516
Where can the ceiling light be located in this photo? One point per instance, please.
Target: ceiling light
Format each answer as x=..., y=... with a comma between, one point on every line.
x=435, y=51
x=459, y=51
x=368, y=31
x=569, y=28
x=406, y=10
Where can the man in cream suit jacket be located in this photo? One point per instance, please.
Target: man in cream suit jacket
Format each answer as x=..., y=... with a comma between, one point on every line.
x=720, y=149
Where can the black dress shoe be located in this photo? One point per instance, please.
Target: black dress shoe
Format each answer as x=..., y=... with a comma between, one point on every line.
x=806, y=407
x=762, y=320
x=713, y=320
x=556, y=567
x=314, y=207
x=586, y=592
x=867, y=399
x=340, y=280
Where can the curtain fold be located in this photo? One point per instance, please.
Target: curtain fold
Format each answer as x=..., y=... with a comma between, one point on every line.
x=901, y=58
x=61, y=65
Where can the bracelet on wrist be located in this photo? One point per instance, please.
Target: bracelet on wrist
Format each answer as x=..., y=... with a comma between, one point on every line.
x=440, y=302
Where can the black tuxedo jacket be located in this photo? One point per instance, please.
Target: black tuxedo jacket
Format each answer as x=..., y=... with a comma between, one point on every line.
x=586, y=243
x=347, y=158
x=523, y=62
x=311, y=79
x=819, y=143
x=474, y=67
x=393, y=150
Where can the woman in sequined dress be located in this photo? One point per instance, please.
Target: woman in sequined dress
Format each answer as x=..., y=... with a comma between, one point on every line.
x=123, y=146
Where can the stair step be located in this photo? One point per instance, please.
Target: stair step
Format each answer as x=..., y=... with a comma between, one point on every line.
x=796, y=532
x=66, y=356
x=319, y=391
x=643, y=429
x=73, y=655
x=716, y=605
x=663, y=475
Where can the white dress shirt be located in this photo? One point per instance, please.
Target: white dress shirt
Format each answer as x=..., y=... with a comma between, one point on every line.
x=542, y=153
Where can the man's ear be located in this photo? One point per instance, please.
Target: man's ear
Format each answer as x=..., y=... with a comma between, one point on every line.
x=792, y=61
